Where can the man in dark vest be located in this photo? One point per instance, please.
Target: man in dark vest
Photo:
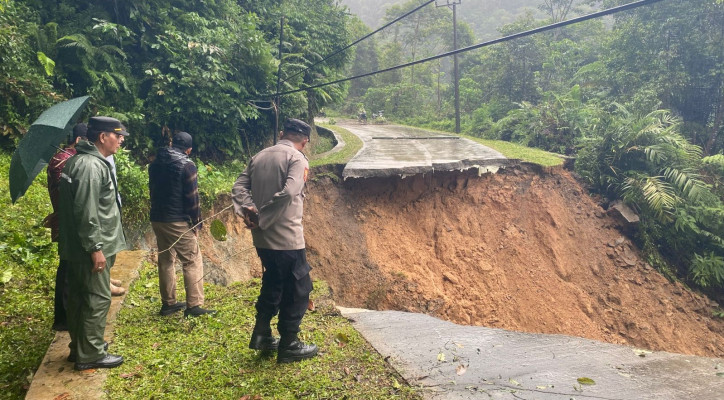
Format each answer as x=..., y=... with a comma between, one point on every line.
x=269, y=194
x=176, y=221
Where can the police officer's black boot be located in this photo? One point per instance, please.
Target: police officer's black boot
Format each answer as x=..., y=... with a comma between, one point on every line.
x=261, y=337
x=291, y=349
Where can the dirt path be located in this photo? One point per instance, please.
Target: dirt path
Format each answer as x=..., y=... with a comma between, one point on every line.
x=522, y=250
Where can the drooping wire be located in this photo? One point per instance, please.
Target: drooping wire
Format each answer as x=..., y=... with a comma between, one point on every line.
x=358, y=40
x=586, y=17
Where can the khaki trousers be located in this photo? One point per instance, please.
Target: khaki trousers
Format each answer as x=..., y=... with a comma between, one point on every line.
x=188, y=252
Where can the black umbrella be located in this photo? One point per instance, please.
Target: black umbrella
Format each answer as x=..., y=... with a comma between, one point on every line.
x=41, y=142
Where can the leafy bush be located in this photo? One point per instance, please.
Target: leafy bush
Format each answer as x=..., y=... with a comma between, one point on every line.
x=25, y=90
x=644, y=160
x=133, y=187
x=215, y=180
x=708, y=270
x=28, y=261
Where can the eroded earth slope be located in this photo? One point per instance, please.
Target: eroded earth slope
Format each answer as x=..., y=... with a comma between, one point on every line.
x=523, y=249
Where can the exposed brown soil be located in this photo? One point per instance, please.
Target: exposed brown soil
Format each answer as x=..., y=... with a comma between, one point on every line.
x=521, y=249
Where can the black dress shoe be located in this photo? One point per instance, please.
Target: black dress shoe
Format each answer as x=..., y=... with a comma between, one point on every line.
x=109, y=361
x=263, y=342
x=197, y=311
x=296, y=351
x=168, y=310
x=71, y=357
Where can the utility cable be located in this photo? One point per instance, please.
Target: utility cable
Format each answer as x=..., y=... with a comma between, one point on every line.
x=358, y=40
x=586, y=17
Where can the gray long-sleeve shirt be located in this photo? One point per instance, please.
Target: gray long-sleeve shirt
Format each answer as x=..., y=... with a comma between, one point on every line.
x=274, y=182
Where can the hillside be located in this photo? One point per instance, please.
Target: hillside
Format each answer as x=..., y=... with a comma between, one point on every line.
x=522, y=249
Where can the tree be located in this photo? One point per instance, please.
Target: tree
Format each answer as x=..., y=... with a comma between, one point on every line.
x=25, y=89
x=672, y=52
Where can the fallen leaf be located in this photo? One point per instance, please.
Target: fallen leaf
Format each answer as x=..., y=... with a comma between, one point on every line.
x=514, y=382
x=149, y=284
x=311, y=306
x=129, y=375
x=347, y=371
x=155, y=345
x=461, y=369
x=6, y=276
x=218, y=230
x=586, y=381
x=541, y=387
x=342, y=338
x=441, y=357
x=62, y=396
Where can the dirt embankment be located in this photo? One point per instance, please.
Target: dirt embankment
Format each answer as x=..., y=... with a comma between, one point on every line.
x=521, y=250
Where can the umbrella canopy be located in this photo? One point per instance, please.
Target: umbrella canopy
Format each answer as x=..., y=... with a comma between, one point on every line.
x=41, y=142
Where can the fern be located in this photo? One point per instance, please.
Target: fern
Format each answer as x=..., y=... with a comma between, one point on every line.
x=708, y=270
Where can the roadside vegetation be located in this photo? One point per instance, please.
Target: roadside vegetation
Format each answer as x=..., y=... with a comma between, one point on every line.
x=352, y=144
x=28, y=261
x=177, y=358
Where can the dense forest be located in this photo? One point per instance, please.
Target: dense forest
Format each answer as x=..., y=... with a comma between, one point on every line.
x=165, y=65
x=637, y=99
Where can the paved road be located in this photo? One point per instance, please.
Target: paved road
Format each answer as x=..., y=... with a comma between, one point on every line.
x=397, y=150
x=451, y=361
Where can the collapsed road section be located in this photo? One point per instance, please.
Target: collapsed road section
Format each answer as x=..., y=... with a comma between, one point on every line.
x=523, y=249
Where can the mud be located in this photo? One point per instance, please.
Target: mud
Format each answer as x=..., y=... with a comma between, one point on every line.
x=523, y=249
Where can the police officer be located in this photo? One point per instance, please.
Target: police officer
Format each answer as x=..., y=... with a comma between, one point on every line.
x=269, y=195
x=90, y=237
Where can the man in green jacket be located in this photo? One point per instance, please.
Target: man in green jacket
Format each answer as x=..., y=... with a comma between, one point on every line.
x=90, y=236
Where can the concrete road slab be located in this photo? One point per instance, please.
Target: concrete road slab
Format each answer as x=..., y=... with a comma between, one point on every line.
x=390, y=150
x=451, y=361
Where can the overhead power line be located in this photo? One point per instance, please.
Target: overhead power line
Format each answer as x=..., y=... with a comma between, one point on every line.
x=405, y=15
x=586, y=17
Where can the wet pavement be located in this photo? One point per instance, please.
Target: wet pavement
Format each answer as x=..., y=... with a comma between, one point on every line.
x=450, y=361
x=398, y=150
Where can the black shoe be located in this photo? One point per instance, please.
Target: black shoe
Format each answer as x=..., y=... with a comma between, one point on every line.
x=71, y=357
x=168, y=310
x=196, y=311
x=263, y=342
x=109, y=361
x=296, y=351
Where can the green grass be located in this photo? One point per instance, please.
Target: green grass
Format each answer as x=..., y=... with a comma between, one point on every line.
x=28, y=261
x=508, y=149
x=207, y=357
x=324, y=144
x=352, y=144
x=520, y=152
